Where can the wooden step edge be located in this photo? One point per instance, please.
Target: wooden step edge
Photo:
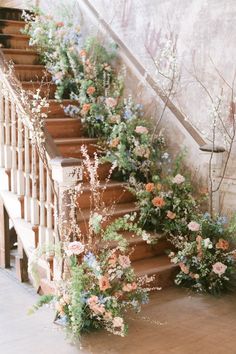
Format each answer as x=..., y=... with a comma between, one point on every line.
x=29, y=66
x=13, y=22
x=19, y=51
x=18, y=36
x=153, y=265
x=81, y=140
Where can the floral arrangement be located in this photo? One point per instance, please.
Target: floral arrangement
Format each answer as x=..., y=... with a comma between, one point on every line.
x=206, y=262
x=166, y=204
x=98, y=284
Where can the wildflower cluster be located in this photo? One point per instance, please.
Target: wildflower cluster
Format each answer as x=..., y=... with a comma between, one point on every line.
x=205, y=260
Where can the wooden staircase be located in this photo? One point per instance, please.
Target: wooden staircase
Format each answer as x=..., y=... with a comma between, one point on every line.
x=67, y=135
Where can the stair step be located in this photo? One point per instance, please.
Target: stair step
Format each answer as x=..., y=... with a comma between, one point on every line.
x=112, y=192
x=160, y=267
x=56, y=108
x=103, y=172
x=8, y=13
x=14, y=41
x=71, y=147
x=31, y=73
x=64, y=127
x=47, y=89
x=118, y=211
x=11, y=26
x=21, y=56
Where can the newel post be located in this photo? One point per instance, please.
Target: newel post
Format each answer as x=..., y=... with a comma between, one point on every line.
x=215, y=164
x=66, y=174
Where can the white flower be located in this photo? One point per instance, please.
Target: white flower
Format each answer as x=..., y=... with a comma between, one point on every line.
x=178, y=179
x=118, y=322
x=207, y=243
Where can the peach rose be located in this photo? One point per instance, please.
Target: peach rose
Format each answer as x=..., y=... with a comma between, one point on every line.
x=60, y=24
x=170, y=215
x=83, y=53
x=112, y=260
x=141, y=130
x=91, y=90
x=222, y=244
x=104, y=283
x=107, y=316
x=149, y=187
x=115, y=142
x=158, y=202
x=129, y=287
x=86, y=107
x=92, y=300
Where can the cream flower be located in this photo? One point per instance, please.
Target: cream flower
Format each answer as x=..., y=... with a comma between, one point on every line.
x=141, y=130
x=74, y=248
x=178, y=179
x=124, y=261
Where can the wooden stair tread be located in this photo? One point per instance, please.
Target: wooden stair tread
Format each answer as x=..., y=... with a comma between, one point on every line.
x=19, y=51
x=14, y=35
x=119, y=209
x=29, y=67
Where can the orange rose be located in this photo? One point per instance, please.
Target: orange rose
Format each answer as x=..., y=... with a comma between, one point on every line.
x=114, y=142
x=170, y=215
x=91, y=90
x=222, y=244
x=104, y=283
x=158, y=202
x=86, y=107
x=184, y=268
x=149, y=187
x=83, y=53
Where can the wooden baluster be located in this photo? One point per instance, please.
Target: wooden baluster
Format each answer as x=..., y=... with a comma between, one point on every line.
x=20, y=148
x=13, y=148
x=42, y=203
x=2, y=141
x=27, y=197
x=49, y=233
x=7, y=149
x=34, y=179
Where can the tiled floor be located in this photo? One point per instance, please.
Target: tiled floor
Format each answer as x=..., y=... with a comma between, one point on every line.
x=175, y=322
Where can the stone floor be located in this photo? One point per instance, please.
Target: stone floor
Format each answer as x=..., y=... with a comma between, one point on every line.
x=174, y=322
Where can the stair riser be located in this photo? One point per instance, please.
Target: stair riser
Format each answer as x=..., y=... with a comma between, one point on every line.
x=20, y=58
x=32, y=74
x=10, y=14
x=165, y=279
x=83, y=225
x=74, y=150
x=110, y=196
x=11, y=28
x=142, y=250
x=56, y=109
x=14, y=42
x=65, y=129
x=103, y=172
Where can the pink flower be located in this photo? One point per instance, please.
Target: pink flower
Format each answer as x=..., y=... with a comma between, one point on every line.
x=98, y=309
x=112, y=260
x=58, y=75
x=75, y=248
x=193, y=226
x=178, y=179
x=104, y=283
x=60, y=24
x=141, y=130
x=129, y=287
x=219, y=268
x=124, y=261
x=184, y=268
x=170, y=215
x=111, y=102
x=118, y=322
x=92, y=300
